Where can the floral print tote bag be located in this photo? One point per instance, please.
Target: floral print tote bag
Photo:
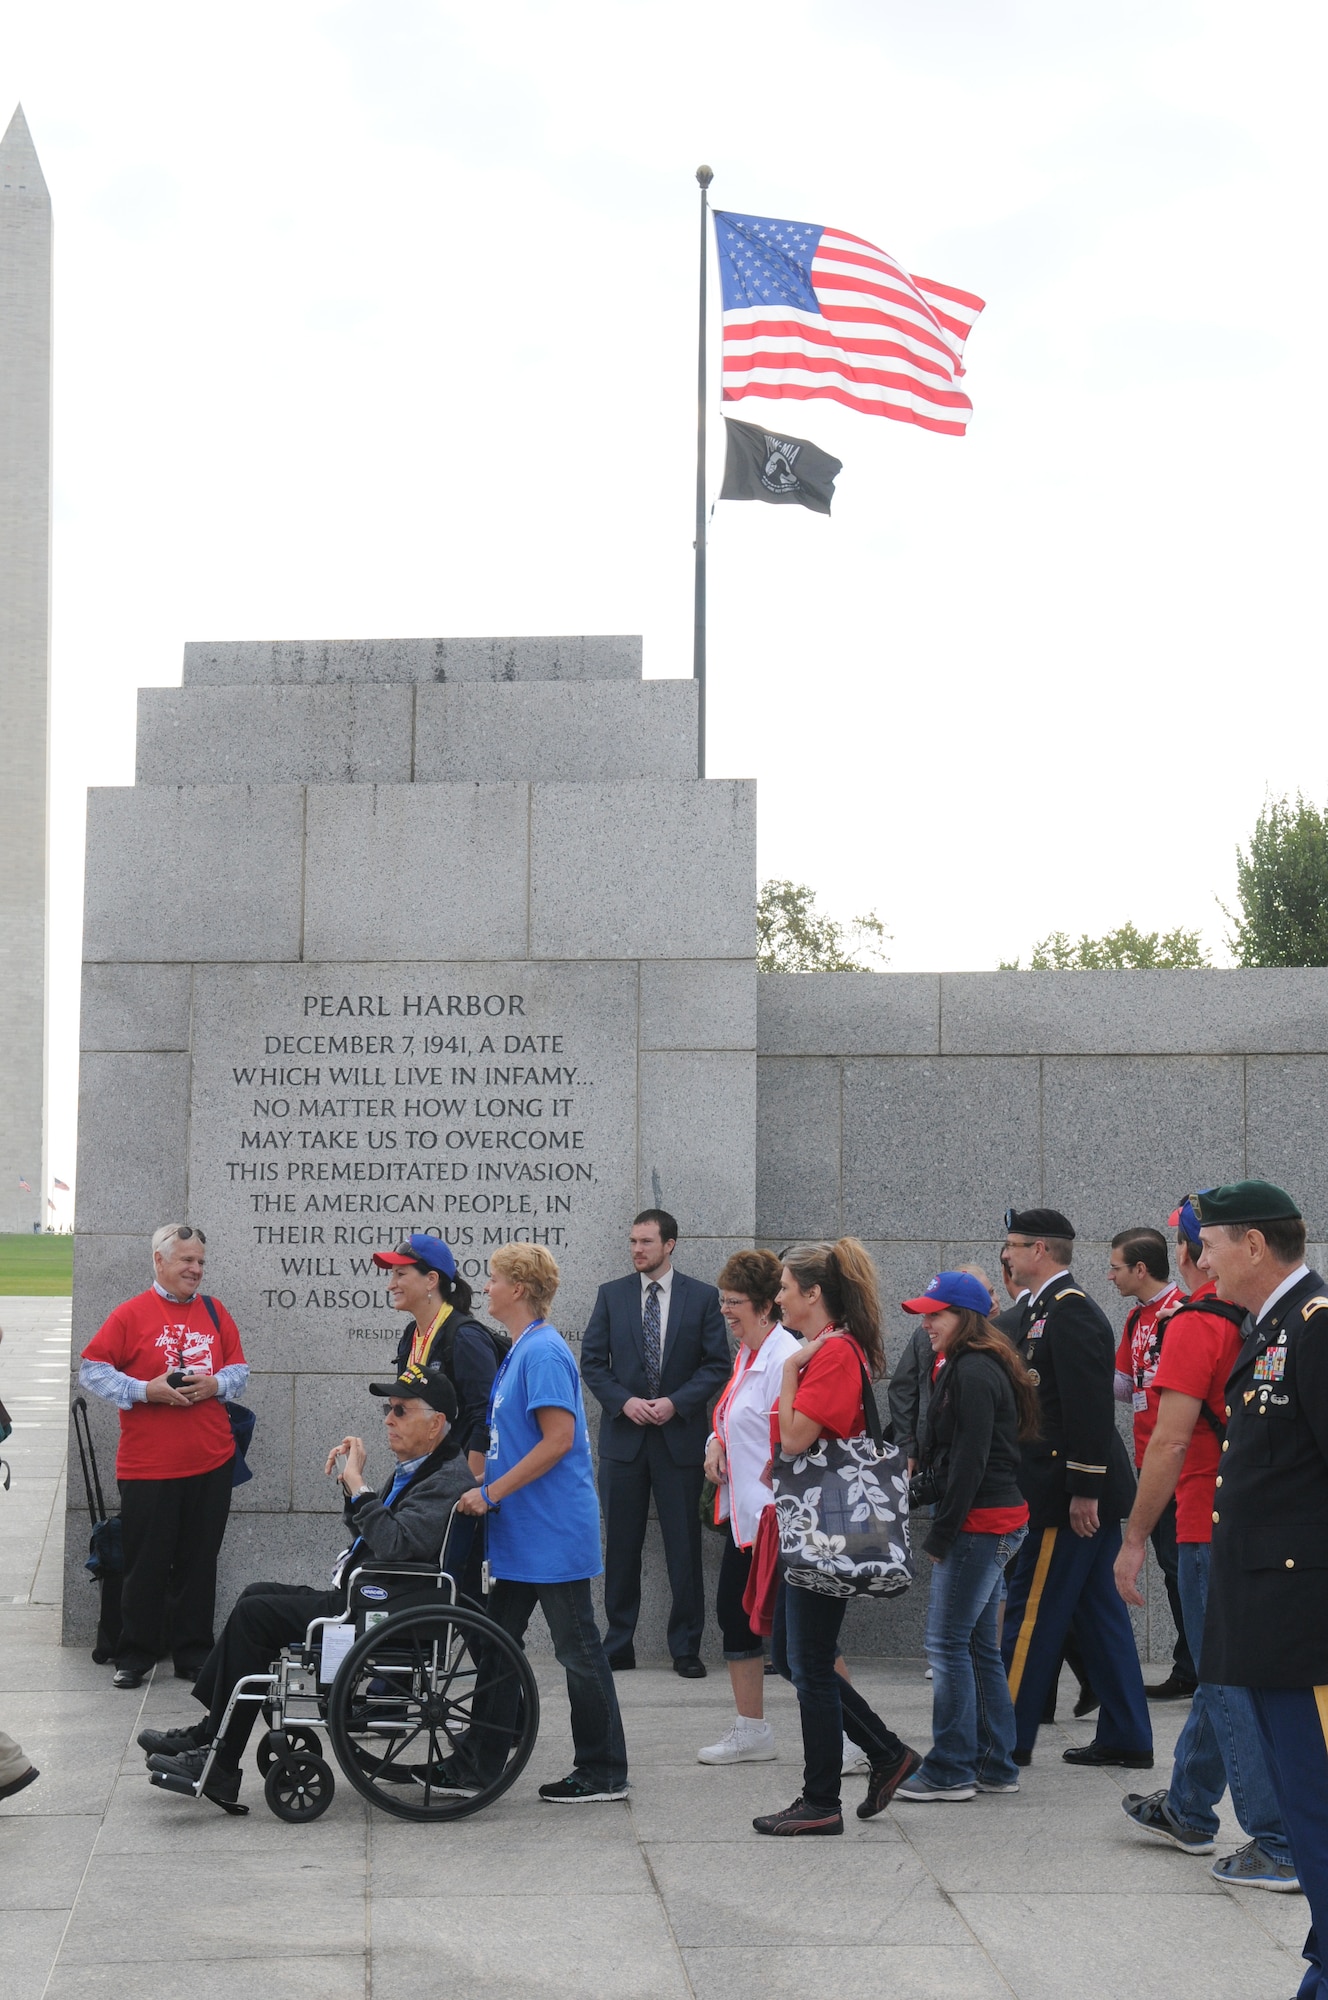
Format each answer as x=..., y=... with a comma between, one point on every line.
x=842, y=1510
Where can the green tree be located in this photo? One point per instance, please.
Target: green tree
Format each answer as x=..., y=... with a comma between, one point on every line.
x=1123, y=950
x=1282, y=888
x=793, y=936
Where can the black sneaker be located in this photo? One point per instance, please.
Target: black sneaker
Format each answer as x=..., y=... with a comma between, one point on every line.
x=578, y=1791
x=450, y=1780
x=800, y=1818
x=182, y=1772
x=884, y=1780
x=1150, y=1814
x=171, y=1742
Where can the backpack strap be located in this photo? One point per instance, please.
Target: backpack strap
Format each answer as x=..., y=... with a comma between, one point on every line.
x=211, y=1305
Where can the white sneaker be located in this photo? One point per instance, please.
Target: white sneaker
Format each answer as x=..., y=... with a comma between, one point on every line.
x=928, y=1675
x=854, y=1758
x=748, y=1742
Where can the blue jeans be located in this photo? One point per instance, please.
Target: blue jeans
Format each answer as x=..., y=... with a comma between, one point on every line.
x=972, y=1721
x=1220, y=1744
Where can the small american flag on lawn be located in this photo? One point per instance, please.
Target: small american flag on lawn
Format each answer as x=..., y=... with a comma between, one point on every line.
x=812, y=311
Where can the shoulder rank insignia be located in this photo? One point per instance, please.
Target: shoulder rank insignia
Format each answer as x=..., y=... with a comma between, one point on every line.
x=1318, y=1303
x=1073, y=1292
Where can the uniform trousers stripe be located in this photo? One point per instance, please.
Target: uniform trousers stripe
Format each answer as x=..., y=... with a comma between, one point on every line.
x=1293, y=1723
x=1031, y=1608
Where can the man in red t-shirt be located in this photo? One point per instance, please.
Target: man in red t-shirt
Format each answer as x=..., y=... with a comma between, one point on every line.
x=1140, y=1271
x=1220, y=1742
x=170, y=1359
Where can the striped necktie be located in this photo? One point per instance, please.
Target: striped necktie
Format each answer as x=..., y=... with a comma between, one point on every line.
x=650, y=1336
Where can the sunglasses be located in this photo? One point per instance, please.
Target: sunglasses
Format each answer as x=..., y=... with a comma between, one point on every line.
x=397, y=1409
x=186, y=1231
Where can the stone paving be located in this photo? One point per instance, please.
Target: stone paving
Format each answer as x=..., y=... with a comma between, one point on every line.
x=108, y=1887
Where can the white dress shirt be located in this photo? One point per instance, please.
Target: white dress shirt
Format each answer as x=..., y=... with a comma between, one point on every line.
x=1292, y=1278
x=744, y=1431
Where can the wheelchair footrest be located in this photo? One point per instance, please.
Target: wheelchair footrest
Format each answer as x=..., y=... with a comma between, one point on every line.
x=167, y=1783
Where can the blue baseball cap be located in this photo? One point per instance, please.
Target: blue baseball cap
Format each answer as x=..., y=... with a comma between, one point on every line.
x=958, y=1289
x=1186, y=1219
x=419, y=1249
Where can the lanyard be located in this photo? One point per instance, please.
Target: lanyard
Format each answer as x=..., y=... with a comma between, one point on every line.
x=422, y=1342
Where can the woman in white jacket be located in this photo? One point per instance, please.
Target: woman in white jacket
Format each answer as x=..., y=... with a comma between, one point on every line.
x=737, y=1455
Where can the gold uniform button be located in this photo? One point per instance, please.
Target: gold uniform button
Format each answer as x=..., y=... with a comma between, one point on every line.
x=1226, y=1444
x=1290, y=1562
x=1216, y=1515
x=1228, y=1412
x=1219, y=1479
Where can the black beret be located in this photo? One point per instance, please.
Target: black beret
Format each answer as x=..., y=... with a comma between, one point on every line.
x=1252, y=1202
x=1038, y=1222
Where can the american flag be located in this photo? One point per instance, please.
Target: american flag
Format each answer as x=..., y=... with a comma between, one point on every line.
x=25, y=1185
x=812, y=311
x=63, y=1186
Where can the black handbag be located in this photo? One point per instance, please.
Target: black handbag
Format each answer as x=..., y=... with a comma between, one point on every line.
x=842, y=1511
x=242, y=1420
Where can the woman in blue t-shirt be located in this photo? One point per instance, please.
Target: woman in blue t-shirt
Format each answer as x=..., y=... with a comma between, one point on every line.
x=543, y=1524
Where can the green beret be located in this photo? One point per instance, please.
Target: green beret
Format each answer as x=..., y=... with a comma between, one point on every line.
x=1249, y=1202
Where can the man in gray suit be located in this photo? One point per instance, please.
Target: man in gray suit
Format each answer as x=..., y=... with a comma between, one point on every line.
x=655, y=1353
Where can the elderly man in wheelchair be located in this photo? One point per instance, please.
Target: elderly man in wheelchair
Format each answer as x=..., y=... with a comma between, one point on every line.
x=393, y=1716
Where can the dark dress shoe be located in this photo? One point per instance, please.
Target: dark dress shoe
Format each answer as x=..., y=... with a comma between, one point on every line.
x=1086, y=1701
x=20, y=1783
x=623, y=1662
x=129, y=1677
x=1174, y=1688
x=172, y=1742
x=1095, y=1753
x=690, y=1667
x=1022, y=1758
x=189, y=1670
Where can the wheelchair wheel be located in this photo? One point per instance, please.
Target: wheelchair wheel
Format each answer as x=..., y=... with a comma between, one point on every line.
x=292, y=1740
x=433, y=1713
x=298, y=1786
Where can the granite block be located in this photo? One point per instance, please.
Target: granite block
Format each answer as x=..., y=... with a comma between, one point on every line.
x=271, y=1397
x=556, y=730
x=797, y=1147
x=937, y=1149
x=848, y=1013
x=328, y=1408
x=232, y=852
x=416, y=872
x=1124, y=1137
x=135, y=1007
x=107, y=1269
x=247, y=662
x=698, y=1121
x=277, y=1548
x=132, y=1124
x=1286, y=1101
x=343, y=735
x=1134, y=1013
x=697, y=1003
x=704, y=1257
x=645, y=869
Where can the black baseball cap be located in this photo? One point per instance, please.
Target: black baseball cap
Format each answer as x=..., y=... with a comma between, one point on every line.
x=425, y=1385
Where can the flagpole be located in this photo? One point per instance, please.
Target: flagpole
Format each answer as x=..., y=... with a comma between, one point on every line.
x=704, y=176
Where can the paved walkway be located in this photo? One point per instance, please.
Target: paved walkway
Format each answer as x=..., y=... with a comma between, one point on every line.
x=108, y=1887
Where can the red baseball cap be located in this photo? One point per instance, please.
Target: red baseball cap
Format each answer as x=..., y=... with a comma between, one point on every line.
x=420, y=1249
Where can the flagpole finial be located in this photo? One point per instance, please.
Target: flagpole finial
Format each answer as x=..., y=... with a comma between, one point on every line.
x=704, y=176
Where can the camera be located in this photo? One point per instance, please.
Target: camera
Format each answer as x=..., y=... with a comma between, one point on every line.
x=177, y=1378
x=923, y=1490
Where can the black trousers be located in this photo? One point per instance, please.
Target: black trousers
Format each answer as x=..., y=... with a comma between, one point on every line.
x=1163, y=1539
x=172, y=1531
x=267, y=1616
x=626, y=1492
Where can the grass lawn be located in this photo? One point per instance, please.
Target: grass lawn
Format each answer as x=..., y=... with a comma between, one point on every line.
x=40, y=1266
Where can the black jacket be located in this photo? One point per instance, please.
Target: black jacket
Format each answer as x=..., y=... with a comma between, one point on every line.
x=695, y=1366
x=463, y=1351
x=413, y=1527
x=1267, y=1623
x=970, y=1443
x=1070, y=1352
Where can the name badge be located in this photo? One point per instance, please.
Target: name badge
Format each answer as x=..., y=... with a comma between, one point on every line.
x=1141, y=1399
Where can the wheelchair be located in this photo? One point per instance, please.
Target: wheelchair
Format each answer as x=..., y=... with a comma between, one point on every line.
x=408, y=1676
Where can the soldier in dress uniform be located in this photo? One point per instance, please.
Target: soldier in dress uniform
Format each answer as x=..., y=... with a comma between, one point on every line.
x=1079, y=1486
x=1267, y=1622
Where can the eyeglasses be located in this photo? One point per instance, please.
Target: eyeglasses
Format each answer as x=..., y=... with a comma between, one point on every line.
x=397, y=1409
x=185, y=1231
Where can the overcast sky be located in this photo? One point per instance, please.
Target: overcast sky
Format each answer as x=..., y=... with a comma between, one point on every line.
x=380, y=318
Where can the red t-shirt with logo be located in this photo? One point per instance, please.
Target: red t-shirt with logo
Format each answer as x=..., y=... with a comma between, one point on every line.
x=145, y=1337
x=1198, y=1354
x=1137, y=1357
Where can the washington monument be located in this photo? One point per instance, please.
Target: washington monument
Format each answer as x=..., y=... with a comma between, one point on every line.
x=25, y=670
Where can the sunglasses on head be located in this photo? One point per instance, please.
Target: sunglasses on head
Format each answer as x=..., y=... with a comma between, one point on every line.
x=186, y=1231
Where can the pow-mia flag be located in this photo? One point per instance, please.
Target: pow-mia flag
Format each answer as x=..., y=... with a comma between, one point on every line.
x=788, y=471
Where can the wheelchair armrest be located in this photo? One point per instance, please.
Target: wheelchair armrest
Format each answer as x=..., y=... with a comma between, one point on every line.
x=395, y=1569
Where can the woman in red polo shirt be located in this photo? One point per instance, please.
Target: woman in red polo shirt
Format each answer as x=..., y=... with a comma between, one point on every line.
x=983, y=1402
x=828, y=1294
